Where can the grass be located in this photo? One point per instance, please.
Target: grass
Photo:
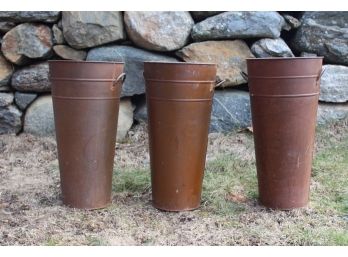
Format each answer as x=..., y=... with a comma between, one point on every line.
x=325, y=236
x=228, y=173
x=229, y=182
x=224, y=175
x=94, y=241
x=338, y=238
x=330, y=170
x=229, y=215
x=134, y=182
x=52, y=242
x=230, y=191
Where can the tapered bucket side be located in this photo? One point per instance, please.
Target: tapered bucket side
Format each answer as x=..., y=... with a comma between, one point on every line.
x=179, y=101
x=284, y=100
x=86, y=101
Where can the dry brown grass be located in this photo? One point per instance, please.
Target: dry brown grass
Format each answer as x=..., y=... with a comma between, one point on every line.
x=31, y=211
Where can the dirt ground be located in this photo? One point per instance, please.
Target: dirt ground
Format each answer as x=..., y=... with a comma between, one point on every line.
x=31, y=210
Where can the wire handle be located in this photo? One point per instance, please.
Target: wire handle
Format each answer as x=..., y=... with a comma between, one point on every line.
x=244, y=75
x=121, y=77
x=321, y=73
x=220, y=83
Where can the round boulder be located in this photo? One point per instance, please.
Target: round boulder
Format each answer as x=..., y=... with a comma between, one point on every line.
x=88, y=29
x=269, y=47
x=159, y=31
x=6, y=70
x=39, y=119
x=125, y=119
x=10, y=120
x=27, y=41
x=32, y=78
x=334, y=84
x=229, y=55
x=66, y=52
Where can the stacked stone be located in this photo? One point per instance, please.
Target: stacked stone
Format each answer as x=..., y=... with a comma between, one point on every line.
x=29, y=39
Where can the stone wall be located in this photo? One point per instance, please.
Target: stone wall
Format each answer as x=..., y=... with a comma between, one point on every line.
x=29, y=39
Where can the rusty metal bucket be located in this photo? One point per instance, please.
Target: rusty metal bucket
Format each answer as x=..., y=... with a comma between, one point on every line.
x=284, y=96
x=179, y=102
x=86, y=99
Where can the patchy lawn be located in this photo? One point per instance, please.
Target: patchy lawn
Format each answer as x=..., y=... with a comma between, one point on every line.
x=31, y=211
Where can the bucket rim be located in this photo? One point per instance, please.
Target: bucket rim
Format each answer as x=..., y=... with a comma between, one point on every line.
x=286, y=58
x=181, y=63
x=80, y=61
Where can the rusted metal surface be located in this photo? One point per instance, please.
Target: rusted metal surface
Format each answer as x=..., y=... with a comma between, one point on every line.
x=284, y=100
x=179, y=102
x=86, y=99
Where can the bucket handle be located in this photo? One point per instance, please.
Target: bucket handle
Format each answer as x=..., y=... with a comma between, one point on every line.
x=321, y=73
x=217, y=84
x=244, y=75
x=121, y=77
x=220, y=83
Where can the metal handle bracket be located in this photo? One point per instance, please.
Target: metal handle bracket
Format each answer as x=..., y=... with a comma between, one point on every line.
x=244, y=75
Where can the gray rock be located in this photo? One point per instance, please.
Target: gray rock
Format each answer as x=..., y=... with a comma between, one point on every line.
x=125, y=119
x=6, y=26
x=231, y=111
x=287, y=27
x=229, y=55
x=32, y=78
x=89, y=29
x=66, y=52
x=6, y=99
x=29, y=16
x=159, y=31
x=291, y=22
x=201, y=15
x=134, y=66
x=239, y=25
x=328, y=113
x=305, y=54
x=268, y=47
x=334, y=84
x=10, y=120
x=6, y=70
x=5, y=89
x=140, y=112
x=27, y=41
x=60, y=24
x=324, y=33
x=39, y=119
x=22, y=100
x=58, y=37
